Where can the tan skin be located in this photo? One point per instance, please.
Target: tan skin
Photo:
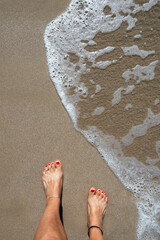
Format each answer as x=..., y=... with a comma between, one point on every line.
x=50, y=226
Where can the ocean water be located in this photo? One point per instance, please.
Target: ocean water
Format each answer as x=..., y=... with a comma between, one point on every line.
x=103, y=58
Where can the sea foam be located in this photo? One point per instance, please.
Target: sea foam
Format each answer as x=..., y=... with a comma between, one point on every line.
x=68, y=37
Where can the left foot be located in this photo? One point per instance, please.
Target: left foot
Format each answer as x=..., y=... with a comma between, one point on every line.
x=52, y=179
x=97, y=203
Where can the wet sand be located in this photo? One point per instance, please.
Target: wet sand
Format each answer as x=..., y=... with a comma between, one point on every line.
x=36, y=129
x=116, y=121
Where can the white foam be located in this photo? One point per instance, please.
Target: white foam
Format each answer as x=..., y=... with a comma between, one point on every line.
x=117, y=94
x=98, y=88
x=103, y=64
x=140, y=130
x=92, y=43
x=138, y=36
x=156, y=101
x=92, y=81
x=140, y=73
x=67, y=34
x=134, y=50
x=128, y=106
x=98, y=111
x=93, y=55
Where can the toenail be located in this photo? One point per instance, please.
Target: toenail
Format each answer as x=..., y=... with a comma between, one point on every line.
x=102, y=191
x=52, y=162
x=49, y=164
x=57, y=162
x=46, y=166
x=105, y=195
x=99, y=190
x=92, y=190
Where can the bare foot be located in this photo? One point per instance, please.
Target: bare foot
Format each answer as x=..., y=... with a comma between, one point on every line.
x=52, y=180
x=97, y=203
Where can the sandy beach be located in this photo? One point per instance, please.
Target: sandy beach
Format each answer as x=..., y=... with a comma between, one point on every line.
x=36, y=130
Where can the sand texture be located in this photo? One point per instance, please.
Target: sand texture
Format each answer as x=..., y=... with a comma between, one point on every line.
x=36, y=129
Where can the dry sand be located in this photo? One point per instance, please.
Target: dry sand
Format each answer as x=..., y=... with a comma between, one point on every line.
x=36, y=129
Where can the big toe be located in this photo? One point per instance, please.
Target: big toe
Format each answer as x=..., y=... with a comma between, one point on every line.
x=91, y=192
x=58, y=165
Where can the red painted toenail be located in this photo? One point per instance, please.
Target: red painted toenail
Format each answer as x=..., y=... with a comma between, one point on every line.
x=46, y=166
x=49, y=164
x=102, y=191
x=92, y=190
x=104, y=194
x=52, y=162
x=57, y=162
x=99, y=190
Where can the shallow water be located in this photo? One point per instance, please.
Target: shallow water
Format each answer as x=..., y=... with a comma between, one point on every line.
x=103, y=58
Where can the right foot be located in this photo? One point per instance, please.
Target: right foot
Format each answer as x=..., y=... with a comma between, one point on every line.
x=52, y=180
x=97, y=203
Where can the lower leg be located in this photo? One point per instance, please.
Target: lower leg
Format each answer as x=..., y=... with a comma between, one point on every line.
x=97, y=203
x=50, y=226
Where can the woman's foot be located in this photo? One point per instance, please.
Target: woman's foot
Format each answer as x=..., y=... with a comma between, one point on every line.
x=50, y=226
x=97, y=203
x=52, y=180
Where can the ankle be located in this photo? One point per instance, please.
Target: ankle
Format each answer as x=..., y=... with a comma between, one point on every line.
x=53, y=202
x=95, y=233
x=95, y=221
x=95, y=224
x=94, y=228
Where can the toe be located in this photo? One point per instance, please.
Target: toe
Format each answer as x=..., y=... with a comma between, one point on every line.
x=46, y=167
x=105, y=198
x=102, y=194
x=98, y=192
x=49, y=166
x=44, y=175
x=58, y=164
x=53, y=166
x=92, y=191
